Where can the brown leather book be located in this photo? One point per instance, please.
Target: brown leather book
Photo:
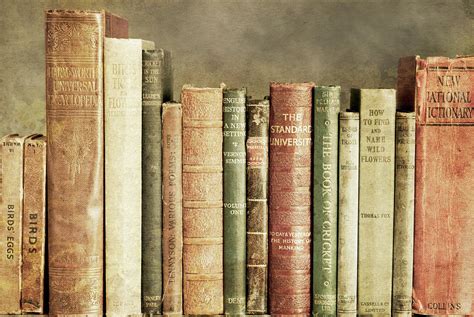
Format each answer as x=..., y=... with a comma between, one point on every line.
x=202, y=201
x=34, y=225
x=11, y=224
x=257, y=206
x=290, y=199
x=406, y=83
x=75, y=160
x=443, y=280
x=172, y=143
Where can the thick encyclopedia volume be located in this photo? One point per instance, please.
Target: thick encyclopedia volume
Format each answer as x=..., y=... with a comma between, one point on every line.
x=156, y=89
x=348, y=214
x=325, y=145
x=75, y=158
x=202, y=201
x=123, y=178
x=404, y=213
x=11, y=224
x=172, y=209
x=257, y=206
x=376, y=195
x=34, y=225
x=234, y=200
x=444, y=201
x=290, y=198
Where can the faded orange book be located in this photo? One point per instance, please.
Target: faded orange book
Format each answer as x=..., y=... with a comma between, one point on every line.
x=444, y=200
x=34, y=225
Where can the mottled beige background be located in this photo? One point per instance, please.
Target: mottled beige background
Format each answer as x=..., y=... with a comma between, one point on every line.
x=244, y=43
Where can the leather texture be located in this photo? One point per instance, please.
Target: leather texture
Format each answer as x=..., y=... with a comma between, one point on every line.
x=172, y=209
x=444, y=201
x=34, y=225
x=376, y=196
x=202, y=201
x=290, y=198
x=257, y=206
x=75, y=158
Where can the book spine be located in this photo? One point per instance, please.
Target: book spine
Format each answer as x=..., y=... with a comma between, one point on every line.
x=404, y=212
x=376, y=179
x=152, y=98
x=348, y=213
x=123, y=186
x=257, y=206
x=234, y=200
x=325, y=145
x=172, y=209
x=34, y=225
x=290, y=198
x=406, y=83
x=75, y=158
x=11, y=224
x=203, y=286
x=443, y=279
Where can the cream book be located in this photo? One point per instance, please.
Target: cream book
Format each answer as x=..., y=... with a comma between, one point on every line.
x=123, y=178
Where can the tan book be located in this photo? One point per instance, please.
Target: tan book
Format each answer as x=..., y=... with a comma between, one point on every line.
x=34, y=225
x=75, y=158
x=11, y=224
x=376, y=201
x=404, y=213
x=348, y=196
x=202, y=201
x=123, y=177
x=172, y=209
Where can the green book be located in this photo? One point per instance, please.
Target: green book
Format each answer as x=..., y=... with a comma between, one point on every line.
x=376, y=200
x=156, y=89
x=234, y=201
x=325, y=144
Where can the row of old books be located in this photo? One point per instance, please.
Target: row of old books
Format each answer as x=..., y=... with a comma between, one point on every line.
x=221, y=204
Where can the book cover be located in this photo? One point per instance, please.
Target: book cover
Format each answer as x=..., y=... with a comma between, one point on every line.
x=348, y=214
x=234, y=161
x=290, y=198
x=325, y=148
x=257, y=206
x=156, y=89
x=11, y=224
x=203, y=285
x=172, y=209
x=123, y=182
x=444, y=205
x=376, y=199
x=75, y=157
x=404, y=213
x=34, y=226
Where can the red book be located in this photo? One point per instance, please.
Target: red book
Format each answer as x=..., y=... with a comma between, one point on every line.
x=290, y=199
x=444, y=198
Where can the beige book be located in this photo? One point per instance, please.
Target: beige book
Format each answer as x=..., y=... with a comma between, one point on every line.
x=404, y=213
x=376, y=206
x=348, y=213
x=11, y=224
x=123, y=139
x=172, y=209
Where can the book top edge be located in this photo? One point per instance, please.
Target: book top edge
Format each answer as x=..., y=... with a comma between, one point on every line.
x=304, y=85
x=203, y=89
